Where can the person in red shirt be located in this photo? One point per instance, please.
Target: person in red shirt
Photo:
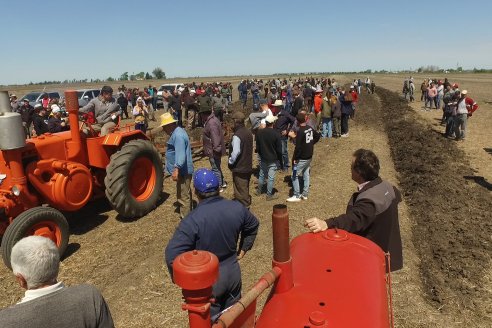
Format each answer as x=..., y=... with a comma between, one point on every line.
x=355, y=99
x=471, y=105
x=318, y=101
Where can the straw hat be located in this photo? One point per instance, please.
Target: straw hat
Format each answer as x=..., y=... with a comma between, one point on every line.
x=166, y=119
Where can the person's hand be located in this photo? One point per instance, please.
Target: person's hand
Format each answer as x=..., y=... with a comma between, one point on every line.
x=63, y=124
x=284, y=132
x=241, y=255
x=174, y=176
x=316, y=225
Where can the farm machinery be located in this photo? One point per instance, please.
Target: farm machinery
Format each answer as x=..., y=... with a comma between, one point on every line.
x=328, y=279
x=45, y=176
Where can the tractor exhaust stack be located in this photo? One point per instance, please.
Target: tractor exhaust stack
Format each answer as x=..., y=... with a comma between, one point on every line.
x=281, y=248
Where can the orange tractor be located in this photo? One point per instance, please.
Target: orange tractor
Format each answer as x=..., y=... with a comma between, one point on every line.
x=46, y=175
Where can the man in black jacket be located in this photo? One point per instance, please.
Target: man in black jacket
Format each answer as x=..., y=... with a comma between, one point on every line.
x=282, y=125
x=174, y=107
x=306, y=137
x=269, y=147
x=40, y=121
x=241, y=159
x=372, y=212
x=27, y=112
x=123, y=102
x=55, y=122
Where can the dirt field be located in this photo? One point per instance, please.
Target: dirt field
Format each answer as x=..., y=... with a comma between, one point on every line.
x=445, y=220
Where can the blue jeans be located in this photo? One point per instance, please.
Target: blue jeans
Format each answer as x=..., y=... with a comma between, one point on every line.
x=285, y=153
x=267, y=169
x=460, y=126
x=215, y=166
x=303, y=167
x=326, y=125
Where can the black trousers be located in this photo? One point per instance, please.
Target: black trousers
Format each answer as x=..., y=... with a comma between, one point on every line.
x=345, y=124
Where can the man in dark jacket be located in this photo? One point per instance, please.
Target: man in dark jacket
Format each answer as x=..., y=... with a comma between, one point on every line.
x=213, y=142
x=347, y=110
x=123, y=102
x=303, y=153
x=241, y=159
x=298, y=103
x=55, y=122
x=216, y=225
x=174, y=106
x=269, y=147
x=40, y=121
x=372, y=211
x=282, y=125
x=27, y=112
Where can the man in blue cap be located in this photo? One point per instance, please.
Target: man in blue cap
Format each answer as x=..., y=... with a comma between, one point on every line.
x=215, y=225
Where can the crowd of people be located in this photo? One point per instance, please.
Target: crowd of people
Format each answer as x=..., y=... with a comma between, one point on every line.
x=456, y=105
x=316, y=105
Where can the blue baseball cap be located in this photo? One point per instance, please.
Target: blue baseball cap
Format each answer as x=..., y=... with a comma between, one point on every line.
x=205, y=181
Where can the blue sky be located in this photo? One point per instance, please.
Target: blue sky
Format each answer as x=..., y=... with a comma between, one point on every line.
x=58, y=40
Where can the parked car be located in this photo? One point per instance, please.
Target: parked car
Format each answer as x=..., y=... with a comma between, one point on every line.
x=35, y=97
x=169, y=87
x=85, y=95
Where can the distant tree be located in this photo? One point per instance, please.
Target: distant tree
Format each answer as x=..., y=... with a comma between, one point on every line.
x=124, y=77
x=140, y=76
x=110, y=79
x=159, y=73
x=148, y=76
x=132, y=77
x=459, y=69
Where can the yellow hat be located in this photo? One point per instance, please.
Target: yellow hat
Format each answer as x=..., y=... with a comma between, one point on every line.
x=166, y=119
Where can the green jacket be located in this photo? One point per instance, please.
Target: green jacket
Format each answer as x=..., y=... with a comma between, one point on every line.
x=326, y=108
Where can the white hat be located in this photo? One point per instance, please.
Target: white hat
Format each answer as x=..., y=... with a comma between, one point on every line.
x=464, y=92
x=55, y=109
x=278, y=103
x=139, y=99
x=270, y=119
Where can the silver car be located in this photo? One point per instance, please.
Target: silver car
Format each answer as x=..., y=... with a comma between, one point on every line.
x=85, y=95
x=36, y=97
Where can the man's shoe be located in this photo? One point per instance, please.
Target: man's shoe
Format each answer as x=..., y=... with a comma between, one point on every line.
x=224, y=184
x=294, y=199
x=304, y=197
x=221, y=190
x=271, y=197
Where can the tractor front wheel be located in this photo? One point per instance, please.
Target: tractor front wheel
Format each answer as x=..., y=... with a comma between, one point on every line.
x=134, y=179
x=38, y=221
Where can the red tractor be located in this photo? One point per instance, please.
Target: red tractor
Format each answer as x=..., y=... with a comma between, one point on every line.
x=327, y=279
x=46, y=175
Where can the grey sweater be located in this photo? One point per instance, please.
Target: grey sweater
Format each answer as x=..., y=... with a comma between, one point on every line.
x=102, y=110
x=76, y=307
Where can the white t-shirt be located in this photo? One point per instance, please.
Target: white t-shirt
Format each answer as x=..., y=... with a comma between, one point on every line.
x=269, y=112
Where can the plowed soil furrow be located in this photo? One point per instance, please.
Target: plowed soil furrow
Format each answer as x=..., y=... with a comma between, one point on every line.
x=452, y=214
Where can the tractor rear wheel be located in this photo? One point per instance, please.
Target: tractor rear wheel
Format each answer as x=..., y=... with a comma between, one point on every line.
x=37, y=221
x=134, y=179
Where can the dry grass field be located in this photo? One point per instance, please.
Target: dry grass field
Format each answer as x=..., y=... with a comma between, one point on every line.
x=445, y=218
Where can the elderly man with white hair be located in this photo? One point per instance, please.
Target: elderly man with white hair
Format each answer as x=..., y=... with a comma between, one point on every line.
x=48, y=303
